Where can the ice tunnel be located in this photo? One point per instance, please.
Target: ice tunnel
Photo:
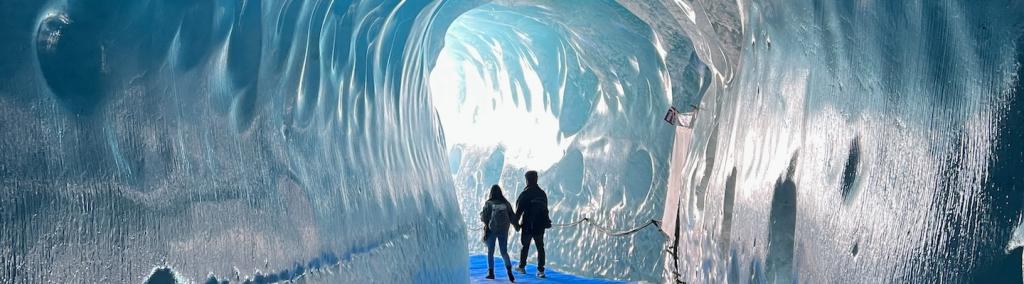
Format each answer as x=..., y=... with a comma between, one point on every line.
x=352, y=141
x=541, y=86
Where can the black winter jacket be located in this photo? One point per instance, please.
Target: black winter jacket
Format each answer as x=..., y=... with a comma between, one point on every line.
x=532, y=208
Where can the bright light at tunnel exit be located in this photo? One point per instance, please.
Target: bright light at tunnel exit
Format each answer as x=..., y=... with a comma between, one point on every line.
x=488, y=117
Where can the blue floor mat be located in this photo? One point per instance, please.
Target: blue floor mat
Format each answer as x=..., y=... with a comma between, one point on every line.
x=478, y=269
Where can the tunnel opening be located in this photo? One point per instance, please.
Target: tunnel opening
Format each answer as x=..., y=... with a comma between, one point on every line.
x=291, y=135
x=547, y=88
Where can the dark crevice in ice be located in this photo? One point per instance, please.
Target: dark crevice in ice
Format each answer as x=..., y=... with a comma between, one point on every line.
x=782, y=227
x=850, y=170
x=727, y=207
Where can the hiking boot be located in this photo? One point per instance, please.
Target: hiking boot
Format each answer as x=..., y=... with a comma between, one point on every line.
x=510, y=277
x=540, y=274
x=521, y=269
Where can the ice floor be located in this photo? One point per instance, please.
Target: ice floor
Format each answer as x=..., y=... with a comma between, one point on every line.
x=478, y=269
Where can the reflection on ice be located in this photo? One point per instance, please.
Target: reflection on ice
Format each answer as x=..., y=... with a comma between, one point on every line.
x=273, y=140
x=574, y=92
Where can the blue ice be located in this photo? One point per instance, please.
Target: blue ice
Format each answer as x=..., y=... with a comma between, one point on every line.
x=353, y=140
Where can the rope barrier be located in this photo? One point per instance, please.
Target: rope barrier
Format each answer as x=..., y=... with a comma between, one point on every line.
x=609, y=232
x=577, y=222
x=657, y=224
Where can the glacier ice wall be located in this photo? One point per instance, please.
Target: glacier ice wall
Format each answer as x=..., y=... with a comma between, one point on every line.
x=575, y=92
x=851, y=141
x=261, y=140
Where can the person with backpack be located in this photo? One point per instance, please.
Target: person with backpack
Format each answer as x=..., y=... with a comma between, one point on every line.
x=532, y=207
x=497, y=215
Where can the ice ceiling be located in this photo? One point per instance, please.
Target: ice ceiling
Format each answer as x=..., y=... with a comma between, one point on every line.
x=349, y=141
x=541, y=86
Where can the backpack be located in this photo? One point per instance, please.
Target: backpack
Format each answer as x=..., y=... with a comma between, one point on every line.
x=499, y=216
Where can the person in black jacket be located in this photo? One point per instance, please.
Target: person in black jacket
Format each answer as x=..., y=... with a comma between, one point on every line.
x=532, y=209
x=497, y=215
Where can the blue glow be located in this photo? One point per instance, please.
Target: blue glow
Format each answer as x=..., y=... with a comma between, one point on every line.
x=352, y=140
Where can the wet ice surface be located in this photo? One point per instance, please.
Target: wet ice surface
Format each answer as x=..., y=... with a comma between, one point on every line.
x=220, y=138
x=857, y=142
x=276, y=140
x=852, y=141
x=548, y=87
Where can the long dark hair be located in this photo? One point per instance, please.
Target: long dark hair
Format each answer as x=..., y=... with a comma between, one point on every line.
x=496, y=193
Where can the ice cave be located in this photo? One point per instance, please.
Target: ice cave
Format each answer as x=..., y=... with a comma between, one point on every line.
x=355, y=141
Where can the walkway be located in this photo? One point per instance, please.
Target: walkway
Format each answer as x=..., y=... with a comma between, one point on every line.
x=478, y=269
